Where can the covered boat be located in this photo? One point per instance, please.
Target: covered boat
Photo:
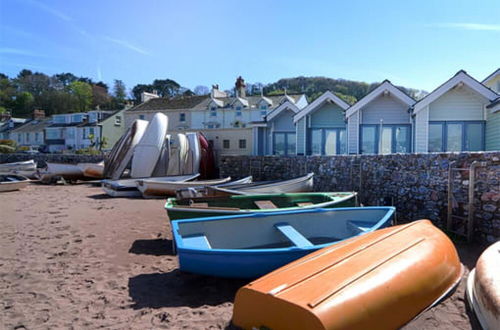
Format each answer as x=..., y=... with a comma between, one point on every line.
x=54, y=171
x=29, y=165
x=122, y=152
x=194, y=154
x=161, y=168
x=248, y=246
x=148, y=150
x=12, y=182
x=246, y=204
x=128, y=187
x=160, y=188
x=380, y=280
x=483, y=288
x=300, y=184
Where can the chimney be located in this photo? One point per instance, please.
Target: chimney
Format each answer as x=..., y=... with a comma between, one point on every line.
x=38, y=114
x=145, y=96
x=216, y=93
x=5, y=116
x=240, y=87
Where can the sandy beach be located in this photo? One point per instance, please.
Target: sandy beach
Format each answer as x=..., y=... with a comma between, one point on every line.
x=73, y=258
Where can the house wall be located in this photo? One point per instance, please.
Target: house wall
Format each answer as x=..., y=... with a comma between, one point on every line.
x=387, y=108
x=301, y=136
x=327, y=115
x=494, y=84
x=284, y=122
x=112, y=129
x=174, y=122
x=422, y=131
x=493, y=130
x=459, y=103
x=353, y=133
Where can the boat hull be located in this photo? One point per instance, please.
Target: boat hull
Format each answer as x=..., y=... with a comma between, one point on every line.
x=18, y=182
x=380, y=280
x=251, y=262
x=151, y=188
x=483, y=288
x=92, y=170
x=176, y=211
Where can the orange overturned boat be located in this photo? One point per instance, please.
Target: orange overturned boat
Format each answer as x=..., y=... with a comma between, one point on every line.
x=380, y=280
x=483, y=288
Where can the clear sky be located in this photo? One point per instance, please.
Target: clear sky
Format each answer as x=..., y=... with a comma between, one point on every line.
x=416, y=44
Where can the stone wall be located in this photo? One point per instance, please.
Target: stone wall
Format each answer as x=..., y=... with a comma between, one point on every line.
x=417, y=184
x=51, y=158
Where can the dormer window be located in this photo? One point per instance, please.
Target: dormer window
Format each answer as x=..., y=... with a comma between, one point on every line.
x=213, y=111
x=263, y=107
x=238, y=108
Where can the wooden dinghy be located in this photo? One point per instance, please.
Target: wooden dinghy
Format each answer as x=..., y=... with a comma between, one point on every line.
x=149, y=149
x=204, y=191
x=29, y=166
x=483, y=288
x=380, y=280
x=300, y=184
x=248, y=246
x=92, y=170
x=12, y=182
x=161, y=188
x=121, y=154
x=128, y=187
x=246, y=204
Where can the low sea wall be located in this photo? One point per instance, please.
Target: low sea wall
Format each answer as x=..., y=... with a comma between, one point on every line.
x=41, y=158
x=417, y=184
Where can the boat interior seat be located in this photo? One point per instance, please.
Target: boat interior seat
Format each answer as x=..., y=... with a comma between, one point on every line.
x=358, y=226
x=302, y=204
x=263, y=205
x=293, y=235
x=197, y=241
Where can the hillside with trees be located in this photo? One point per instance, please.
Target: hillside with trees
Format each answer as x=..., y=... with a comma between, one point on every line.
x=66, y=93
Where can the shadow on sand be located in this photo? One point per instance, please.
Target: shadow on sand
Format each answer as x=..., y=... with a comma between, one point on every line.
x=176, y=289
x=153, y=247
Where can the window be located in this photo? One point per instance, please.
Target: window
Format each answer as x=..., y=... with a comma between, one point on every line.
x=27, y=137
x=225, y=144
x=182, y=117
x=385, y=139
x=242, y=144
x=53, y=134
x=213, y=111
x=328, y=141
x=141, y=117
x=36, y=136
x=59, y=119
x=238, y=113
x=284, y=143
x=210, y=126
x=263, y=107
x=76, y=118
x=456, y=136
x=263, y=112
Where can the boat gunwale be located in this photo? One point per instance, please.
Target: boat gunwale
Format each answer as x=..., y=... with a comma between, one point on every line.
x=249, y=211
x=266, y=184
x=178, y=239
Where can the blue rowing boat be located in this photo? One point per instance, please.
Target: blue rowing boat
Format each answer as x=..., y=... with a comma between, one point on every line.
x=249, y=246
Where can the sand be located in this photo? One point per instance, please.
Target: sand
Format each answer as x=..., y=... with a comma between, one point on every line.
x=73, y=258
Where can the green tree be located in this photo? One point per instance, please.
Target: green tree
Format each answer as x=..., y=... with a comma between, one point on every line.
x=23, y=105
x=82, y=94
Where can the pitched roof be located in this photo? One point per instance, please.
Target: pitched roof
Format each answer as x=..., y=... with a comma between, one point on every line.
x=386, y=85
x=176, y=103
x=326, y=96
x=491, y=76
x=32, y=126
x=460, y=77
x=284, y=106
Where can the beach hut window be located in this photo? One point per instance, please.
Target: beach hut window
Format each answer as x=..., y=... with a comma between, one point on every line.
x=456, y=136
x=369, y=138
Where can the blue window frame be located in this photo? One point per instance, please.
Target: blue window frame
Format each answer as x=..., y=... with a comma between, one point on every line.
x=284, y=143
x=447, y=136
x=328, y=141
x=385, y=139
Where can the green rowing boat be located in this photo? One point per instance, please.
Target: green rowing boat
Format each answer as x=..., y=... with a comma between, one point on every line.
x=244, y=204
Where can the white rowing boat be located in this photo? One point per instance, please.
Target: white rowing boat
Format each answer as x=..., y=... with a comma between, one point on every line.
x=29, y=165
x=194, y=154
x=122, y=152
x=148, y=150
x=11, y=182
x=92, y=170
x=159, y=188
x=128, y=187
x=300, y=184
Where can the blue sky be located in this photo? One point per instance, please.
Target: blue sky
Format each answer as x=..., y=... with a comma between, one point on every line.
x=416, y=44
